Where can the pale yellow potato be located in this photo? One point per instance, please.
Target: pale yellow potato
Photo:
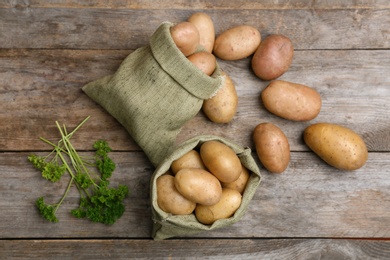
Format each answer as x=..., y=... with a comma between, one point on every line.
x=240, y=183
x=186, y=37
x=189, y=160
x=339, y=146
x=205, y=61
x=221, y=160
x=225, y=208
x=222, y=107
x=272, y=147
x=205, y=26
x=273, y=57
x=237, y=43
x=291, y=101
x=199, y=186
x=169, y=199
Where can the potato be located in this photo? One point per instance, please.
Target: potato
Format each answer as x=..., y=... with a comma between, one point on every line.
x=205, y=26
x=273, y=57
x=189, y=160
x=225, y=208
x=222, y=107
x=221, y=161
x=186, y=37
x=205, y=61
x=272, y=147
x=237, y=43
x=199, y=186
x=240, y=183
x=339, y=146
x=169, y=199
x=291, y=101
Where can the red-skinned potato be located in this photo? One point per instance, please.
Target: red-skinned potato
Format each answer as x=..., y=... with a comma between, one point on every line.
x=272, y=147
x=186, y=37
x=273, y=57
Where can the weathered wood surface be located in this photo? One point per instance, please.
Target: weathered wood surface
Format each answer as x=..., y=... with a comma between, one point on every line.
x=50, y=49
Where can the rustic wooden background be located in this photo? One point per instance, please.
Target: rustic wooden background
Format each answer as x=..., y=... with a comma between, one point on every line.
x=50, y=49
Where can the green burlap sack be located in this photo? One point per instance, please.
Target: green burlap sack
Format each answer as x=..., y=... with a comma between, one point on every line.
x=154, y=92
x=167, y=225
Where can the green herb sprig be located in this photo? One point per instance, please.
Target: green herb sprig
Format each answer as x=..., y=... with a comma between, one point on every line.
x=98, y=201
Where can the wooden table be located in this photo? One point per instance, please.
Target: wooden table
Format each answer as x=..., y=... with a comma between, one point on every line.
x=50, y=49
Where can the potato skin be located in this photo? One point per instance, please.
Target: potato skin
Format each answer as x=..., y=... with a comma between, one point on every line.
x=199, y=186
x=225, y=208
x=205, y=26
x=237, y=43
x=186, y=37
x=273, y=57
x=339, y=146
x=221, y=161
x=240, y=183
x=291, y=101
x=189, y=160
x=205, y=61
x=169, y=199
x=222, y=107
x=272, y=147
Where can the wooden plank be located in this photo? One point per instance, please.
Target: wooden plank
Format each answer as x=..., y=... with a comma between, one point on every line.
x=310, y=199
x=195, y=249
x=90, y=28
x=39, y=87
x=184, y=4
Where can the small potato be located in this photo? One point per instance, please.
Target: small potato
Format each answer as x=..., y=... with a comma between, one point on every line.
x=186, y=37
x=237, y=43
x=222, y=107
x=339, y=146
x=205, y=26
x=189, y=160
x=273, y=57
x=221, y=161
x=291, y=101
x=169, y=199
x=205, y=61
x=240, y=183
x=272, y=147
x=225, y=208
x=199, y=186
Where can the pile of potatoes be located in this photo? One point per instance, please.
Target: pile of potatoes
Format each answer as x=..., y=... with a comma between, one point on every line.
x=208, y=182
x=339, y=146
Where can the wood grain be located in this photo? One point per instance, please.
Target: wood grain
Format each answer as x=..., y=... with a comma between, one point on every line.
x=90, y=28
x=310, y=199
x=195, y=249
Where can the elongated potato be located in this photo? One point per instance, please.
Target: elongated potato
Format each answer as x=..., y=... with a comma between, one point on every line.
x=222, y=107
x=225, y=208
x=291, y=101
x=186, y=37
x=205, y=26
x=272, y=147
x=169, y=199
x=339, y=146
x=237, y=43
x=199, y=186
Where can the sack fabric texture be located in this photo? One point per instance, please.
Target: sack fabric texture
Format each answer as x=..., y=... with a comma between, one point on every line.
x=166, y=225
x=154, y=92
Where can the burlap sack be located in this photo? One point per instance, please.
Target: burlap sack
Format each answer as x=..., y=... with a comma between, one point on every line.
x=154, y=92
x=167, y=225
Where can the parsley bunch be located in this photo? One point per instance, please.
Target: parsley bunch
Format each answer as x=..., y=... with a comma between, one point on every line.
x=98, y=201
